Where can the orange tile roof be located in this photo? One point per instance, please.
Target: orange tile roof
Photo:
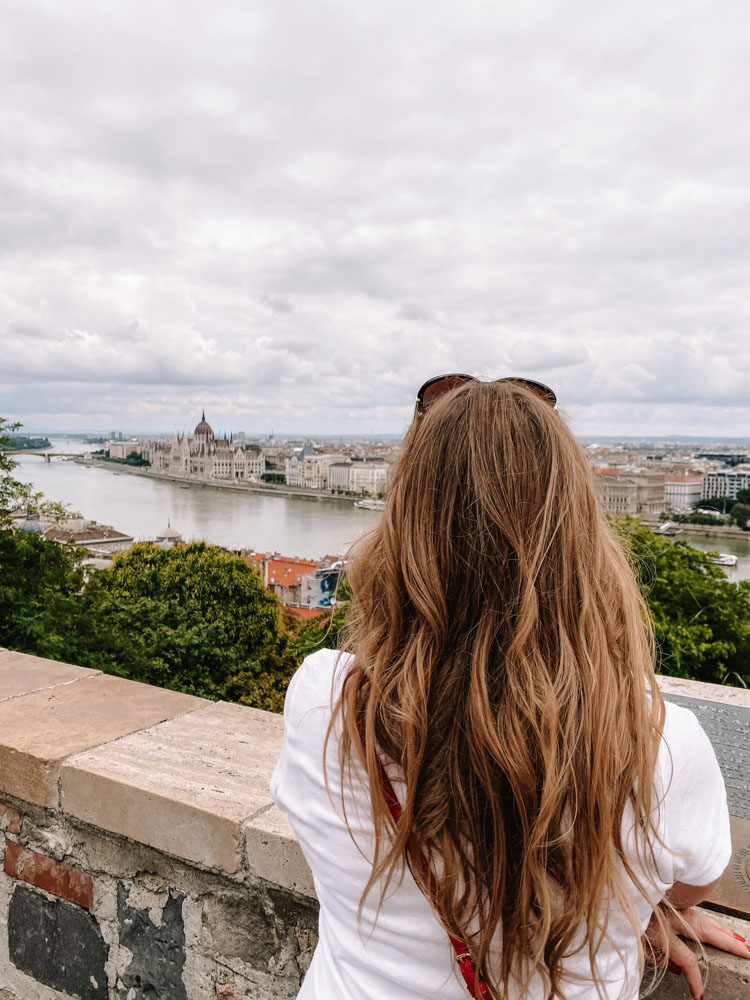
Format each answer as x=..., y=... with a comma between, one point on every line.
x=284, y=570
x=289, y=572
x=306, y=612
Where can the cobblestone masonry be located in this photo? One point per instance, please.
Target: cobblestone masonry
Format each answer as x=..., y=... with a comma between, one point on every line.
x=155, y=927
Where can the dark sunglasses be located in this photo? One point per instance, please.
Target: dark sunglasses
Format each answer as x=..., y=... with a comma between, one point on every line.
x=440, y=384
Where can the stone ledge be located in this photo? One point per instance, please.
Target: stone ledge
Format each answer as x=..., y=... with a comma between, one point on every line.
x=705, y=692
x=187, y=776
x=727, y=978
x=22, y=674
x=273, y=853
x=63, y=713
x=178, y=773
x=185, y=787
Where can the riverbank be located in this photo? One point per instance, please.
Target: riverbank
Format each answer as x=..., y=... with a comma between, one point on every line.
x=238, y=486
x=141, y=505
x=713, y=531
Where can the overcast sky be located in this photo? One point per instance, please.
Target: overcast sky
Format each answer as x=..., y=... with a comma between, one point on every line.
x=292, y=213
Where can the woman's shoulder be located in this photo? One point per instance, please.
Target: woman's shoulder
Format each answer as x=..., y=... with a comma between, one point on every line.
x=686, y=752
x=317, y=682
x=695, y=817
x=683, y=736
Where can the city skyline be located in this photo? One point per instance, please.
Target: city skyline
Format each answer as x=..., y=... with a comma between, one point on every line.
x=293, y=215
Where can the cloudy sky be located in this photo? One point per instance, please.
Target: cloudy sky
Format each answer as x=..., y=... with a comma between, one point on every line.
x=292, y=212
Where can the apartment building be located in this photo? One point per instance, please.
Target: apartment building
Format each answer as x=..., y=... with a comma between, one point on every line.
x=725, y=483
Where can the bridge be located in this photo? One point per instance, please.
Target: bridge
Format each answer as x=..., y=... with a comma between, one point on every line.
x=46, y=455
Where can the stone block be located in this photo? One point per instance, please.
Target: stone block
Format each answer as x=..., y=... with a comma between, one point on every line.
x=238, y=925
x=10, y=818
x=58, y=944
x=157, y=949
x=273, y=852
x=39, y=730
x=723, y=693
x=183, y=787
x=21, y=674
x=45, y=873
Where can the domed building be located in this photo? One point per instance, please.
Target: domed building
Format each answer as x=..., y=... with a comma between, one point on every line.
x=205, y=457
x=31, y=525
x=203, y=433
x=169, y=537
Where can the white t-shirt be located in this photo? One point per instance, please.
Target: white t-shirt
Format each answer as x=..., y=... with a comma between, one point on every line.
x=405, y=954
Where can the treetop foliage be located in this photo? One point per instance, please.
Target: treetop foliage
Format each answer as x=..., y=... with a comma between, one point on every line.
x=701, y=619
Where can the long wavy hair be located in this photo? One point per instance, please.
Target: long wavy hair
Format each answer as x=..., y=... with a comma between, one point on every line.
x=503, y=660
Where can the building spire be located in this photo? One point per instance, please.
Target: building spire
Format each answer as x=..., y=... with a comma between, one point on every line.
x=203, y=415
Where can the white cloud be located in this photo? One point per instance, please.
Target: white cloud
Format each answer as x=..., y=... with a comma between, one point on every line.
x=297, y=212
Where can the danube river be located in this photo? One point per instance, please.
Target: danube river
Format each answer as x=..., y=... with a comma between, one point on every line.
x=141, y=507
x=739, y=546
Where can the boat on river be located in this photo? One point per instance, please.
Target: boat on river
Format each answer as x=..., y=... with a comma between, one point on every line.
x=724, y=559
x=370, y=504
x=668, y=528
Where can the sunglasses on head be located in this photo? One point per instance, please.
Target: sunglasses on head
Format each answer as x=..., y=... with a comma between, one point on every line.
x=440, y=384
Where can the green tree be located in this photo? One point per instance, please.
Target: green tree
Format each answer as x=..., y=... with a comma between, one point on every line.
x=188, y=618
x=40, y=605
x=701, y=619
x=743, y=496
x=15, y=495
x=699, y=519
x=741, y=514
x=10, y=488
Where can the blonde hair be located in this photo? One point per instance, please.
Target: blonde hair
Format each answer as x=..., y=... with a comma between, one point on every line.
x=503, y=659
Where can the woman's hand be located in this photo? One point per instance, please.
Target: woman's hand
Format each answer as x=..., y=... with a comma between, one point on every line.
x=681, y=958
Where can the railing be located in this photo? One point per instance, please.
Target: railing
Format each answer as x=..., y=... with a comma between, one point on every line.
x=142, y=853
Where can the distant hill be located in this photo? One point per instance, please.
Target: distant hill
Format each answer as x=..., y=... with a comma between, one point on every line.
x=701, y=442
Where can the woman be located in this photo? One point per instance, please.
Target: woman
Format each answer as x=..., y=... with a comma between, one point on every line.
x=500, y=679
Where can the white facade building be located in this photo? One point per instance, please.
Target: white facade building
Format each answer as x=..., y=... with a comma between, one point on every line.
x=338, y=476
x=359, y=476
x=683, y=493
x=631, y=491
x=309, y=469
x=725, y=483
x=121, y=449
x=368, y=476
x=315, y=470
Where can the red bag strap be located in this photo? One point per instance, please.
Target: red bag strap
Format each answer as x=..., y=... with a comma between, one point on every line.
x=476, y=986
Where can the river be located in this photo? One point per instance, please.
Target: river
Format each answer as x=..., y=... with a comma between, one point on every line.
x=739, y=547
x=141, y=507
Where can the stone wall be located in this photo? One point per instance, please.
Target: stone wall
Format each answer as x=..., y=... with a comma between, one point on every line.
x=141, y=854
x=90, y=914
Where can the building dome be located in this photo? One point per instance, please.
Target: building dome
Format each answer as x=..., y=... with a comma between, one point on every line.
x=203, y=429
x=169, y=535
x=32, y=525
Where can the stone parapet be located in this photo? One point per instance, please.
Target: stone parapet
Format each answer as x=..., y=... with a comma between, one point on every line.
x=141, y=852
